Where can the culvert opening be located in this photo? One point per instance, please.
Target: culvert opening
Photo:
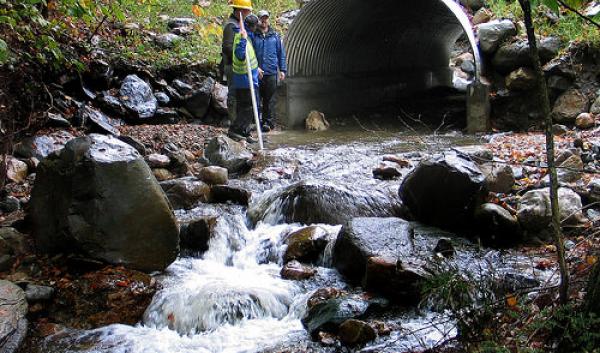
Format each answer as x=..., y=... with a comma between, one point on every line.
x=377, y=60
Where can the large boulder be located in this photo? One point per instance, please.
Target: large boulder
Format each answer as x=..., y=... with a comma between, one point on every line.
x=198, y=101
x=379, y=253
x=444, y=191
x=310, y=202
x=569, y=105
x=494, y=33
x=224, y=152
x=534, y=211
x=137, y=96
x=511, y=56
x=13, y=323
x=41, y=146
x=185, y=193
x=97, y=197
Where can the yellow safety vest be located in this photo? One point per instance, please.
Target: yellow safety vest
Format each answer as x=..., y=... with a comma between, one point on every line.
x=239, y=66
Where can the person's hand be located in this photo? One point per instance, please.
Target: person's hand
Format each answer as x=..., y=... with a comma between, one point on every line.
x=242, y=28
x=261, y=73
x=281, y=76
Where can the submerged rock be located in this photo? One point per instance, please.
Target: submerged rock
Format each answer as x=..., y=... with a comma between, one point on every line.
x=444, y=191
x=311, y=202
x=306, y=244
x=294, y=270
x=98, y=198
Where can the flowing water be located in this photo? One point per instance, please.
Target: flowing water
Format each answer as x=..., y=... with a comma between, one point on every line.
x=232, y=298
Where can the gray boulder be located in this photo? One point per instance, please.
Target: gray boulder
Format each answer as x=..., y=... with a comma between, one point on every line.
x=224, y=152
x=569, y=105
x=185, y=193
x=137, y=96
x=219, y=98
x=512, y=56
x=378, y=252
x=492, y=34
x=13, y=323
x=41, y=146
x=444, y=191
x=198, y=101
x=534, y=211
x=98, y=198
x=97, y=121
x=311, y=202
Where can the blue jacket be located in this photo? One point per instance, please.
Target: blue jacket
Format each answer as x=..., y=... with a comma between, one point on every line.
x=241, y=81
x=269, y=52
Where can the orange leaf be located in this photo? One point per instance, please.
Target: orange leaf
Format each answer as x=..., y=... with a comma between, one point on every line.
x=511, y=301
x=197, y=10
x=591, y=259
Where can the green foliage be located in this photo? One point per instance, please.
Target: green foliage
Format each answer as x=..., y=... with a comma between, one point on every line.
x=570, y=26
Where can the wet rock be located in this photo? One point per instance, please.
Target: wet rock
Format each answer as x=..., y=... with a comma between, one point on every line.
x=196, y=233
x=198, y=101
x=296, y=271
x=386, y=172
x=134, y=143
x=444, y=191
x=167, y=40
x=559, y=130
x=57, y=120
x=522, y=79
x=513, y=55
x=35, y=293
x=496, y=226
x=136, y=95
x=498, y=177
x=162, y=98
x=156, y=160
x=444, y=247
x=595, y=108
x=41, y=146
x=306, y=244
x=356, y=332
x=310, y=202
x=492, y=34
x=568, y=106
x=98, y=121
x=226, y=194
x=224, y=152
x=315, y=121
x=400, y=279
x=12, y=245
x=534, y=211
x=219, y=98
x=213, y=175
x=511, y=283
x=97, y=197
x=9, y=204
x=185, y=193
x=13, y=323
x=570, y=170
x=162, y=174
x=326, y=315
x=585, y=121
x=16, y=170
x=178, y=158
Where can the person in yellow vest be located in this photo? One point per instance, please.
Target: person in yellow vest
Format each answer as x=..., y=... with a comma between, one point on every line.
x=242, y=46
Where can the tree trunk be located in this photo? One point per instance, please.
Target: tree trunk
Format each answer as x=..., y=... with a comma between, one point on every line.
x=542, y=91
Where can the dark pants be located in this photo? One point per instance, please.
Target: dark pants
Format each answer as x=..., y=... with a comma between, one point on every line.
x=268, y=87
x=231, y=108
x=244, y=114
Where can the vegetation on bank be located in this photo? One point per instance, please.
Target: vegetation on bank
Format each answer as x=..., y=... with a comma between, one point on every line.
x=556, y=21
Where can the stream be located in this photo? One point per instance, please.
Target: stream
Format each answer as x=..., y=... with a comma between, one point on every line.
x=233, y=299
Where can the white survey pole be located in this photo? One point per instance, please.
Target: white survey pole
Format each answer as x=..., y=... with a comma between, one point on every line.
x=251, y=83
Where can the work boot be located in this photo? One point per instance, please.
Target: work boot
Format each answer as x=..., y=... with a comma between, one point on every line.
x=265, y=128
x=235, y=136
x=251, y=139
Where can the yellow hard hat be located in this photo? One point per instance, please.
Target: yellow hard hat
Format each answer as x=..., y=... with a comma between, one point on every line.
x=241, y=4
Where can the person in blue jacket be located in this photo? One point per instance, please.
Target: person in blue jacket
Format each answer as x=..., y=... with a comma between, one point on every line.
x=242, y=46
x=271, y=67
